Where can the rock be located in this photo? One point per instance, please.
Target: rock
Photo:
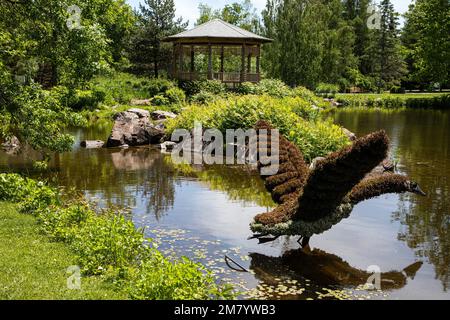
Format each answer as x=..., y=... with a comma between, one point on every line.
x=143, y=102
x=92, y=144
x=163, y=115
x=141, y=113
x=134, y=128
x=350, y=135
x=168, y=146
x=12, y=145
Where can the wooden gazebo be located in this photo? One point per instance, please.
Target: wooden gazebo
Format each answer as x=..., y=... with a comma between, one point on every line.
x=217, y=50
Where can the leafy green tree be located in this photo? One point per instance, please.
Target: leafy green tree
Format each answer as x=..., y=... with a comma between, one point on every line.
x=156, y=20
x=270, y=54
x=313, y=42
x=241, y=14
x=427, y=37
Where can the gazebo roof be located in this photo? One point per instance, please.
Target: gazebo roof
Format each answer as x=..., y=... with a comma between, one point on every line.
x=218, y=30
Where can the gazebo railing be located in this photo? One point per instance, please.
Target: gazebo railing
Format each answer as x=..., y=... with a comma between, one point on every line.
x=230, y=77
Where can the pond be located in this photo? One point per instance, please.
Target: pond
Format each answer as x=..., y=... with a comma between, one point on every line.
x=204, y=212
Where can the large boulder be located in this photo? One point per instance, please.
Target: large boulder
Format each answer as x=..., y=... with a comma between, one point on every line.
x=134, y=128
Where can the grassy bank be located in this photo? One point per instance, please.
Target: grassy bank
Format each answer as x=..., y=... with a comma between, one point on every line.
x=32, y=267
x=415, y=101
x=104, y=244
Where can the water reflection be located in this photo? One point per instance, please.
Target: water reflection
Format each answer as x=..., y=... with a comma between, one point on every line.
x=325, y=269
x=421, y=142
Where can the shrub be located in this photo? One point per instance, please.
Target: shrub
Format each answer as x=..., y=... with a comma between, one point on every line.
x=294, y=117
x=327, y=89
x=203, y=97
x=417, y=101
x=160, y=279
x=175, y=96
x=159, y=100
x=158, y=86
x=247, y=88
x=14, y=188
x=273, y=88
x=108, y=242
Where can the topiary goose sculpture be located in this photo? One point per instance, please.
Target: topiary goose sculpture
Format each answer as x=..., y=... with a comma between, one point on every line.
x=312, y=201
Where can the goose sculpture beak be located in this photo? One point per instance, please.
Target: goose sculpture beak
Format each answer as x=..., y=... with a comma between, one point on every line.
x=419, y=191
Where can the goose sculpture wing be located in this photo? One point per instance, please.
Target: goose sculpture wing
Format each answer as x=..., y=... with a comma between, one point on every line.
x=312, y=201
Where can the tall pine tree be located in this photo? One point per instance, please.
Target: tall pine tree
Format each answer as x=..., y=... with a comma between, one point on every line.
x=156, y=21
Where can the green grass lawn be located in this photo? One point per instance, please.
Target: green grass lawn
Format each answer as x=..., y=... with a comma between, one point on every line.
x=32, y=267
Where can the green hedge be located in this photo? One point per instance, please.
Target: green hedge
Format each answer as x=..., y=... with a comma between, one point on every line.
x=415, y=101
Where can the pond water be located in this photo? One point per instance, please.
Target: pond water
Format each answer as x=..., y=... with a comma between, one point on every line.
x=204, y=212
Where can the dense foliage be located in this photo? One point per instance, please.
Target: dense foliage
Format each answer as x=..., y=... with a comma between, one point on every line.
x=387, y=101
x=357, y=43
x=296, y=119
x=109, y=244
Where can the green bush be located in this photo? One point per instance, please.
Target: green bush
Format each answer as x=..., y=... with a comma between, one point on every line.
x=294, y=117
x=327, y=89
x=204, y=97
x=158, y=86
x=159, y=100
x=247, y=88
x=14, y=187
x=160, y=279
x=103, y=243
x=87, y=99
x=416, y=101
x=193, y=88
x=273, y=88
x=175, y=96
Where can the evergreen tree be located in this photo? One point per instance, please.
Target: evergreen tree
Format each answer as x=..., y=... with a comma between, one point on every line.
x=156, y=21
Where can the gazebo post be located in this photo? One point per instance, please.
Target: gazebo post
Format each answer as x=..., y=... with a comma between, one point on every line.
x=180, y=57
x=210, y=75
x=258, y=62
x=243, y=63
x=222, y=54
x=174, y=62
x=192, y=63
x=249, y=63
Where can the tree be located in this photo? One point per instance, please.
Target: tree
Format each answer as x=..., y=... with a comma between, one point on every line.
x=271, y=53
x=241, y=14
x=156, y=21
x=426, y=35
x=37, y=45
x=53, y=52
x=313, y=42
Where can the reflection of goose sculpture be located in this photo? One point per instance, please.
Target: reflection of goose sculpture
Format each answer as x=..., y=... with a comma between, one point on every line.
x=325, y=269
x=312, y=201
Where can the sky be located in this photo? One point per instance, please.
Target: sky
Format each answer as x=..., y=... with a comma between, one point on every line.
x=188, y=9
